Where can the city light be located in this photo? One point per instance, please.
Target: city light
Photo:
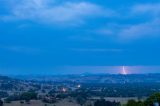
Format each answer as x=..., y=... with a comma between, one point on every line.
x=79, y=86
x=64, y=90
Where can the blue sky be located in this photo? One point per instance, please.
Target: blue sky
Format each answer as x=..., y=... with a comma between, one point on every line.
x=66, y=36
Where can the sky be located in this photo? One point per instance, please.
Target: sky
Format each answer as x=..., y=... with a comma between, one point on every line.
x=79, y=36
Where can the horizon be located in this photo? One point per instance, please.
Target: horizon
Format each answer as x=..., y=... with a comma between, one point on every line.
x=110, y=70
x=81, y=74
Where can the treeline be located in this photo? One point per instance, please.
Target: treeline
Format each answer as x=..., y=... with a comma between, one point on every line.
x=103, y=102
x=3, y=94
x=122, y=90
x=153, y=100
x=27, y=96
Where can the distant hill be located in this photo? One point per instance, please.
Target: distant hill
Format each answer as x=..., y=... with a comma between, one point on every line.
x=7, y=83
x=95, y=78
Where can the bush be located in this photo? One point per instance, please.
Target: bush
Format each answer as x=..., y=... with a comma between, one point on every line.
x=153, y=98
x=22, y=102
x=103, y=102
x=28, y=96
x=134, y=103
x=80, y=100
x=1, y=103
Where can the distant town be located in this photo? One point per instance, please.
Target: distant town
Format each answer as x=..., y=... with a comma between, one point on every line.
x=80, y=90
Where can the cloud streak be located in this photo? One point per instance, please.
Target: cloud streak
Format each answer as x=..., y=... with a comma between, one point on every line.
x=96, y=50
x=47, y=11
x=133, y=31
x=153, y=9
x=21, y=49
x=149, y=29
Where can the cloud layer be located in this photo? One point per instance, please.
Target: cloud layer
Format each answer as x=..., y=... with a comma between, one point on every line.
x=61, y=12
x=48, y=11
x=144, y=22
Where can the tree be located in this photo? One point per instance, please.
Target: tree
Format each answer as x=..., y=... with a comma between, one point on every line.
x=1, y=103
x=7, y=100
x=131, y=103
x=80, y=100
x=28, y=96
x=135, y=103
x=103, y=102
x=27, y=101
x=152, y=99
x=21, y=102
x=3, y=94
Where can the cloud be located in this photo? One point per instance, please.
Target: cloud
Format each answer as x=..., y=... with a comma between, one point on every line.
x=61, y=12
x=151, y=27
x=132, y=32
x=149, y=9
x=96, y=50
x=138, y=28
x=105, y=31
x=141, y=30
x=21, y=49
x=48, y=11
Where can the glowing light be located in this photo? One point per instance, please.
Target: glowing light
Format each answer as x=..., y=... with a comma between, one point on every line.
x=124, y=72
x=79, y=86
x=64, y=90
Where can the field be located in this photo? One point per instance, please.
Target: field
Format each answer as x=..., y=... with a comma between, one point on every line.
x=122, y=100
x=66, y=102
x=39, y=103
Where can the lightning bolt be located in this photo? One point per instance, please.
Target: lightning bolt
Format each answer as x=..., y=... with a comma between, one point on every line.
x=124, y=71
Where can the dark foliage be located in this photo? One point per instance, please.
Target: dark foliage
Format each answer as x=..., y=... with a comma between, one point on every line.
x=103, y=102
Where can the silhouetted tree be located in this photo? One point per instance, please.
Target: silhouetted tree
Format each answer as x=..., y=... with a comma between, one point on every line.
x=103, y=102
x=152, y=99
x=1, y=103
x=80, y=100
